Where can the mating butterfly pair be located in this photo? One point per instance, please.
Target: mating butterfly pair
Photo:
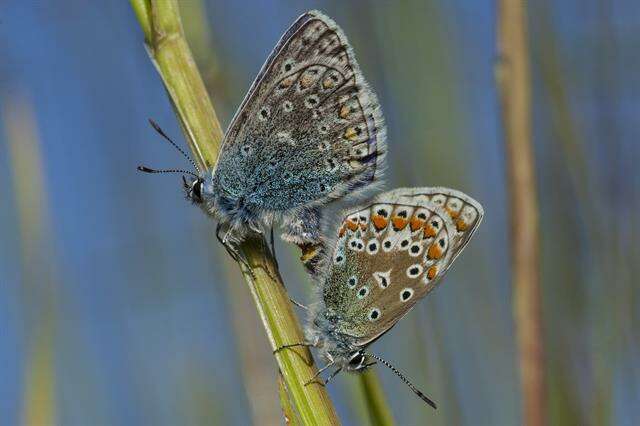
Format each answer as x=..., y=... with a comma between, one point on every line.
x=308, y=132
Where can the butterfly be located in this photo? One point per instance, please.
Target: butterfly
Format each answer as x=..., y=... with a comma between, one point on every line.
x=309, y=131
x=388, y=254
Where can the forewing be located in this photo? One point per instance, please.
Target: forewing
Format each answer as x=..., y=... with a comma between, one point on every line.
x=309, y=125
x=391, y=254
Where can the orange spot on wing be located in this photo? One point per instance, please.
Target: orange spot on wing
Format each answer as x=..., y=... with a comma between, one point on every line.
x=416, y=223
x=309, y=251
x=327, y=83
x=453, y=213
x=342, y=230
x=350, y=134
x=434, y=251
x=351, y=225
x=306, y=81
x=288, y=81
x=431, y=272
x=399, y=223
x=429, y=231
x=461, y=225
x=379, y=222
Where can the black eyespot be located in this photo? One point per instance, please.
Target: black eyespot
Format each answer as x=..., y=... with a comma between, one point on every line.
x=334, y=77
x=422, y=216
x=382, y=212
x=404, y=243
x=362, y=219
x=358, y=131
x=441, y=242
x=313, y=71
x=339, y=258
x=383, y=282
x=415, y=249
x=287, y=67
x=264, y=113
x=373, y=246
x=403, y=214
x=434, y=224
x=387, y=244
x=406, y=295
x=360, y=246
x=352, y=282
x=362, y=292
x=322, y=188
x=374, y=314
x=354, y=243
x=414, y=271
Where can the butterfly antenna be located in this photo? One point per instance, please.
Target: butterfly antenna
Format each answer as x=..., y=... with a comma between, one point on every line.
x=149, y=170
x=175, y=145
x=404, y=379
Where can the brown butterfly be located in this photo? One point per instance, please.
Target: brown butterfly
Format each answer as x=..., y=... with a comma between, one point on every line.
x=388, y=255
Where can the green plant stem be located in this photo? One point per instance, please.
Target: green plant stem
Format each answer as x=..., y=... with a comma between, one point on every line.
x=170, y=53
x=375, y=400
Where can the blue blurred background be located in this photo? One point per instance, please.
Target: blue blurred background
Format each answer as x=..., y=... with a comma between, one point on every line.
x=116, y=306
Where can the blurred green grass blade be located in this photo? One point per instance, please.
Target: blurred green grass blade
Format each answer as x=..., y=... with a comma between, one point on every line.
x=375, y=401
x=38, y=276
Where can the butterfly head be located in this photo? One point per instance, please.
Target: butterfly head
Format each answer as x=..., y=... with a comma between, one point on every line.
x=357, y=361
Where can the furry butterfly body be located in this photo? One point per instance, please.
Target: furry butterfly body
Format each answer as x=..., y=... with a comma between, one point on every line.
x=388, y=255
x=309, y=131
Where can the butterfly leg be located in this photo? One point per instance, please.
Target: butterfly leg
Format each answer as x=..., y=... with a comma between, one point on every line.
x=315, y=376
x=292, y=345
x=298, y=304
x=273, y=248
x=334, y=374
x=231, y=247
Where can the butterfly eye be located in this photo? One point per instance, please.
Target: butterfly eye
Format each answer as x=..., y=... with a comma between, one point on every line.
x=406, y=294
x=356, y=360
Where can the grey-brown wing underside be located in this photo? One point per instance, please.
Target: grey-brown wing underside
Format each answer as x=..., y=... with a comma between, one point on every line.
x=309, y=129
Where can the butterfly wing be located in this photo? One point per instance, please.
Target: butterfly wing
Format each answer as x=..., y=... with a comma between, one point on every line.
x=309, y=127
x=392, y=253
